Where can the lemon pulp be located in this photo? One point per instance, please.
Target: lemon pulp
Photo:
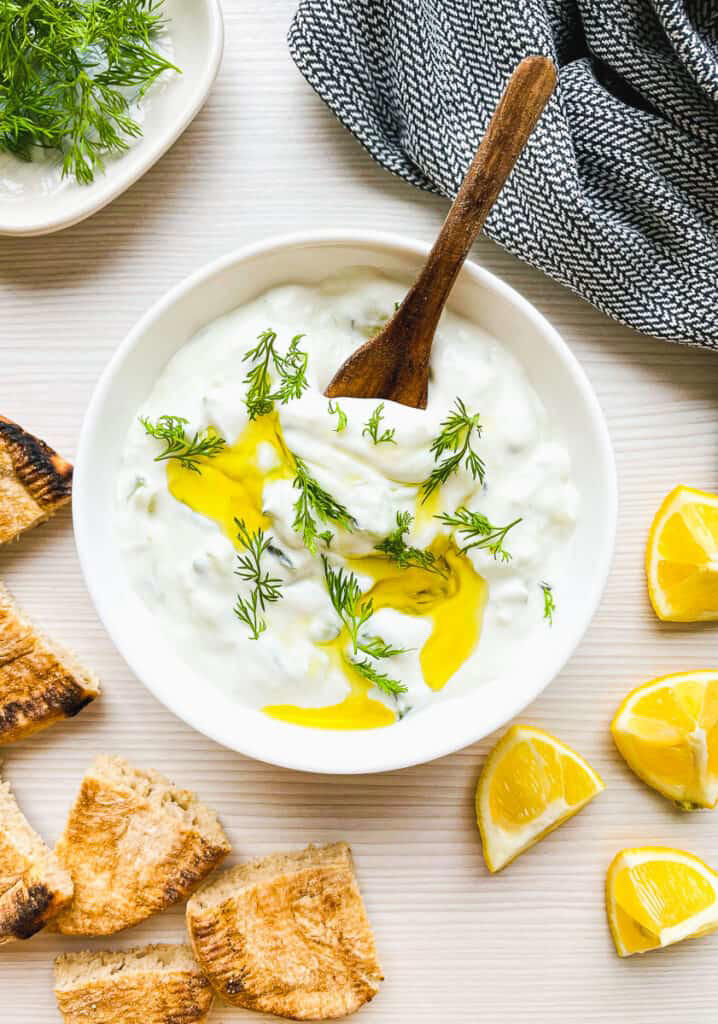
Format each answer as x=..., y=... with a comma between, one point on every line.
x=230, y=487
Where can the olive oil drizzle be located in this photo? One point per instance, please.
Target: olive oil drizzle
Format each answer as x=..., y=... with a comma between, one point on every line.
x=230, y=486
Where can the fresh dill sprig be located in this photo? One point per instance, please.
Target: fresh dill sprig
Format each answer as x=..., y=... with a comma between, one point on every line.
x=397, y=550
x=336, y=410
x=315, y=503
x=479, y=532
x=247, y=610
x=382, y=681
x=291, y=368
x=259, y=400
x=346, y=597
x=265, y=588
x=355, y=610
x=456, y=435
x=250, y=568
x=549, y=602
x=378, y=648
x=372, y=425
x=170, y=429
x=70, y=71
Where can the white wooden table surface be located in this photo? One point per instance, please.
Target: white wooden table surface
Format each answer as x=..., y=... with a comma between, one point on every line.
x=265, y=156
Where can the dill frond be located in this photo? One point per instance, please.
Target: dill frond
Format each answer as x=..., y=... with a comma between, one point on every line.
x=188, y=451
x=291, y=369
x=397, y=550
x=479, y=532
x=457, y=432
x=336, y=410
x=382, y=681
x=354, y=611
x=372, y=426
x=69, y=73
x=549, y=602
x=314, y=503
x=265, y=588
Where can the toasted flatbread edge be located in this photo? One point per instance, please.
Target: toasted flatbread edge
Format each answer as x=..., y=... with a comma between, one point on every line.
x=28, y=906
x=221, y=887
x=116, y=772
x=43, y=890
x=44, y=474
x=101, y=967
x=39, y=714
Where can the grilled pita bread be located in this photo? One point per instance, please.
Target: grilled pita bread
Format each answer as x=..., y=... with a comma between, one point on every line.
x=40, y=682
x=134, y=845
x=152, y=985
x=34, y=481
x=33, y=886
x=287, y=934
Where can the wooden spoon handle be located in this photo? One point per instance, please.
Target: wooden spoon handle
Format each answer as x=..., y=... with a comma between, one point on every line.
x=514, y=119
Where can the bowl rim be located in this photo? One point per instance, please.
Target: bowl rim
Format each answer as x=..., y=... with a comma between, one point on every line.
x=443, y=742
x=104, y=191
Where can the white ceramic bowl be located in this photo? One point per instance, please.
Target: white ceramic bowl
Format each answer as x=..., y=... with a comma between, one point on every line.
x=33, y=199
x=442, y=727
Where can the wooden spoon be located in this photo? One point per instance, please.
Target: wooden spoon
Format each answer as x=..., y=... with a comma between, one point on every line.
x=395, y=363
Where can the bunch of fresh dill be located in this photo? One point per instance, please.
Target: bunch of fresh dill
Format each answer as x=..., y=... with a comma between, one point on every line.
x=69, y=72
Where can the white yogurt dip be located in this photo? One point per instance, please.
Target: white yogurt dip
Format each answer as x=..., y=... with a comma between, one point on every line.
x=182, y=560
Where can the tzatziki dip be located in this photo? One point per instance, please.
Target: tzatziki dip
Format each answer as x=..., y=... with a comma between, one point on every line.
x=343, y=564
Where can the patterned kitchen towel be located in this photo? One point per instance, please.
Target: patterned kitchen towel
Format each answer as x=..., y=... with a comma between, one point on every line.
x=616, y=195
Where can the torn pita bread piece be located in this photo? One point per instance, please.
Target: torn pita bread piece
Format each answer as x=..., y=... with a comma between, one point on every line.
x=33, y=885
x=287, y=934
x=134, y=844
x=152, y=985
x=40, y=681
x=34, y=481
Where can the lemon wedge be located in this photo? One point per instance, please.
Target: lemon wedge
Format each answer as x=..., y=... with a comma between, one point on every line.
x=656, y=896
x=682, y=557
x=530, y=784
x=667, y=731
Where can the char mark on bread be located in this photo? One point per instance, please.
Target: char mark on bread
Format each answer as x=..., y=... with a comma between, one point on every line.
x=43, y=473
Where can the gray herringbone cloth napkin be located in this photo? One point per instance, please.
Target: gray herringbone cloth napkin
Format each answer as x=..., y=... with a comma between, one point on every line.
x=616, y=195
